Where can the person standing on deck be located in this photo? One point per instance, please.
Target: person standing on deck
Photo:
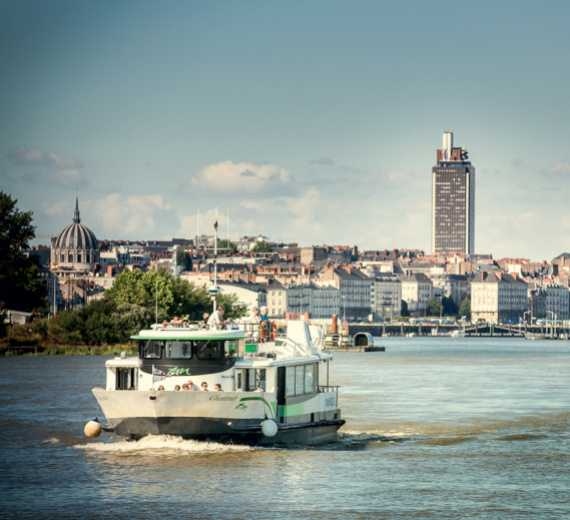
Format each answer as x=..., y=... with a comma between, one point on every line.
x=216, y=320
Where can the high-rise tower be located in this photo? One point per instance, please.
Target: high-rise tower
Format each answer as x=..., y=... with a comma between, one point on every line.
x=453, y=200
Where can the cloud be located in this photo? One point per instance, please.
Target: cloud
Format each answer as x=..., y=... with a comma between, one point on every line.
x=203, y=224
x=47, y=168
x=125, y=216
x=323, y=161
x=57, y=209
x=61, y=177
x=562, y=168
x=242, y=177
x=35, y=157
x=410, y=180
x=295, y=216
x=518, y=164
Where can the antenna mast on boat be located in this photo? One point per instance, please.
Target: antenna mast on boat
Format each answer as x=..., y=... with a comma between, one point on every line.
x=214, y=290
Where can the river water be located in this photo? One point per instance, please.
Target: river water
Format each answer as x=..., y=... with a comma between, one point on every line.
x=437, y=428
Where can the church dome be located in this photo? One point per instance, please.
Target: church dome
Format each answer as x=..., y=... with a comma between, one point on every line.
x=76, y=236
x=76, y=246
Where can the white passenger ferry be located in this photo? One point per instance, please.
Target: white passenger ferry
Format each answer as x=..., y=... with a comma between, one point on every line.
x=272, y=392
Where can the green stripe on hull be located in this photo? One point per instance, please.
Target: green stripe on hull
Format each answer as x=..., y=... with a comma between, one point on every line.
x=292, y=409
x=272, y=407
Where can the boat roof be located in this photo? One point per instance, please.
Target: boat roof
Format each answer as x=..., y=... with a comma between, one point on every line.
x=188, y=334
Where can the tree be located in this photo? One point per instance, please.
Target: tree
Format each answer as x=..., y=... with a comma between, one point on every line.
x=262, y=247
x=225, y=247
x=184, y=260
x=449, y=307
x=465, y=307
x=404, y=309
x=20, y=286
x=434, y=306
x=145, y=289
x=101, y=321
x=232, y=309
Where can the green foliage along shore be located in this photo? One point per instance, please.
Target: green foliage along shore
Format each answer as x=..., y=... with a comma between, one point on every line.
x=104, y=326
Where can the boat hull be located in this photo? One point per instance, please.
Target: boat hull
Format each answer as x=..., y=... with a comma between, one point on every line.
x=224, y=417
x=240, y=432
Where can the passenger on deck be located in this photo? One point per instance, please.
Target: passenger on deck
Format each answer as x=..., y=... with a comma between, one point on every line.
x=264, y=313
x=192, y=386
x=255, y=320
x=205, y=319
x=255, y=317
x=176, y=322
x=216, y=320
x=218, y=387
x=204, y=386
x=185, y=387
x=161, y=387
x=177, y=388
x=230, y=325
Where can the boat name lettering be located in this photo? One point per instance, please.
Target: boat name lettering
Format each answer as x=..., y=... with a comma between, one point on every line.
x=179, y=372
x=222, y=398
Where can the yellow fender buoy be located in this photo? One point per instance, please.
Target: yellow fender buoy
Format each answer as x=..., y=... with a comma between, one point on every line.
x=93, y=428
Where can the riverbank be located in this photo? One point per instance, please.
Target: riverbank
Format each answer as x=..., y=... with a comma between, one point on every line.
x=38, y=339
x=67, y=350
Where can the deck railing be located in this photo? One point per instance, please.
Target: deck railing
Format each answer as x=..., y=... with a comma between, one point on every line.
x=333, y=389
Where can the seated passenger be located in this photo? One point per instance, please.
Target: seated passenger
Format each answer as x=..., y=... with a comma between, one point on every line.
x=192, y=386
x=176, y=322
x=185, y=351
x=161, y=387
x=204, y=386
x=185, y=387
x=218, y=387
x=181, y=350
x=204, y=322
x=153, y=351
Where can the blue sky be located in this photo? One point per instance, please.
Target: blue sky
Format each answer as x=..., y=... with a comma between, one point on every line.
x=308, y=121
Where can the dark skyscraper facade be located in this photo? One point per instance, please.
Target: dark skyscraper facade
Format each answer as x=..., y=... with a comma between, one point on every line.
x=453, y=200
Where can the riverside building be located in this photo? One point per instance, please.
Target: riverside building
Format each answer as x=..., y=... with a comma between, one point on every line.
x=453, y=200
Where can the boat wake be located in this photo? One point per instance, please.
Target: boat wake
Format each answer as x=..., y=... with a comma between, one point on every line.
x=161, y=445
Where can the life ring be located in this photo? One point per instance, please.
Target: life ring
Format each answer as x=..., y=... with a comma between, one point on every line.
x=273, y=331
x=268, y=331
x=263, y=331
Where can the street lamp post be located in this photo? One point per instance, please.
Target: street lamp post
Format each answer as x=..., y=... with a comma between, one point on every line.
x=552, y=326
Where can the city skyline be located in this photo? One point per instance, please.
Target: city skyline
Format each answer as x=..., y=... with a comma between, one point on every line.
x=310, y=123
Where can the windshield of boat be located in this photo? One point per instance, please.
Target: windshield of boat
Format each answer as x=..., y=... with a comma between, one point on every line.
x=192, y=349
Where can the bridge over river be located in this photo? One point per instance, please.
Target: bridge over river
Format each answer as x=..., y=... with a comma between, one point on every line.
x=474, y=330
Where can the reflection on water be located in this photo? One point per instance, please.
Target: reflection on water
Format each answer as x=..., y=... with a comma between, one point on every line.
x=436, y=428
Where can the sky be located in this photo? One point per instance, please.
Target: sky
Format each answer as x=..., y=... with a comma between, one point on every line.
x=310, y=122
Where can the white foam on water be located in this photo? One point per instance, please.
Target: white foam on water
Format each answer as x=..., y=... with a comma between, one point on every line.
x=161, y=444
x=53, y=440
x=356, y=436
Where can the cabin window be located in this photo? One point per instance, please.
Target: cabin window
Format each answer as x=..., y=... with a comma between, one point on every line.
x=310, y=379
x=152, y=349
x=251, y=380
x=179, y=349
x=234, y=348
x=209, y=349
x=256, y=379
x=126, y=379
x=301, y=380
